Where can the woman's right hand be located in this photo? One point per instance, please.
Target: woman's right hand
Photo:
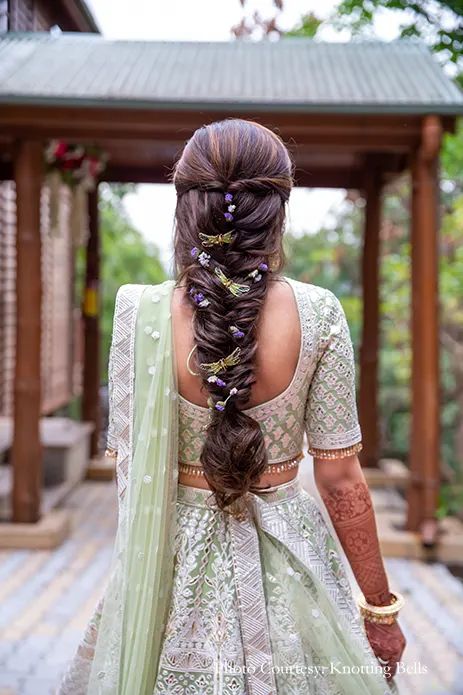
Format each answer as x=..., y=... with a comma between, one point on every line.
x=388, y=644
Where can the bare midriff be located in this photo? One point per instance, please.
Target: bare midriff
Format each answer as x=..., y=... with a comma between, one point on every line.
x=273, y=478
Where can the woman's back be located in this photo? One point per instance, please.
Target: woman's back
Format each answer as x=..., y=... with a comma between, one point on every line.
x=240, y=591
x=278, y=345
x=305, y=379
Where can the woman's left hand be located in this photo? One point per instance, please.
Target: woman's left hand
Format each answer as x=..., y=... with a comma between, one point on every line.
x=388, y=644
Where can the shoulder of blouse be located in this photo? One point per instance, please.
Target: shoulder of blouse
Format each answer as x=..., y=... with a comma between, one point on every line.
x=319, y=308
x=320, y=296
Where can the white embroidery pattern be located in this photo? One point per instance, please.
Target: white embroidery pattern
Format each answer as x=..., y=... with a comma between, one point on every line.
x=206, y=616
x=120, y=379
x=320, y=398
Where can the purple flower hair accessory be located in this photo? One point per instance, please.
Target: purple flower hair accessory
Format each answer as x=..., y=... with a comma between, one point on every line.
x=216, y=380
x=194, y=252
x=204, y=259
x=230, y=209
x=236, y=332
x=199, y=298
x=263, y=267
x=220, y=405
x=255, y=275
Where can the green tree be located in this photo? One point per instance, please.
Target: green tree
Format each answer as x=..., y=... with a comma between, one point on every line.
x=307, y=27
x=437, y=22
x=331, y=257
x=440, y=25
x=126, y=257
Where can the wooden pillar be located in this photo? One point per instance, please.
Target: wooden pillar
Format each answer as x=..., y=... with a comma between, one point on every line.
x=91, y=411
x=369, y=347
x=424, y=449
x=27, y=450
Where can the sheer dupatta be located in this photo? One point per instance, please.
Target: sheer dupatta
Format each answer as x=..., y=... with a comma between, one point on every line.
x=143, y=430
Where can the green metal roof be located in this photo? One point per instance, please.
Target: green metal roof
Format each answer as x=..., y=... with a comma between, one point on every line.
x=290, y=74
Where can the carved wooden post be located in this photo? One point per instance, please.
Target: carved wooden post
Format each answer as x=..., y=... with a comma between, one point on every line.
x=424, y=450
x=369, y=348
x=27, y=450
x=91, y=411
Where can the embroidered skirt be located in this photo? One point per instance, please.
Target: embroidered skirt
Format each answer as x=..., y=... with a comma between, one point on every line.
x=262, y=606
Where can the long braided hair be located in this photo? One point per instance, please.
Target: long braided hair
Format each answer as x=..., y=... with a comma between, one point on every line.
x=232, y=179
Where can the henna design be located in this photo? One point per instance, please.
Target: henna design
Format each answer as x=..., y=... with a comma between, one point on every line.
x=388, y=644
x=351, y=511
x=347, y=502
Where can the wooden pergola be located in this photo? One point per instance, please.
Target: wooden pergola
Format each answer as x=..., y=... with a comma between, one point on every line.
x=355, y=116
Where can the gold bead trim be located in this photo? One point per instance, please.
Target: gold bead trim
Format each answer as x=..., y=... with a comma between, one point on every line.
x=111, y=453
x=190, y=469
x=379, y=620
x=336, y=453
x=272, y=469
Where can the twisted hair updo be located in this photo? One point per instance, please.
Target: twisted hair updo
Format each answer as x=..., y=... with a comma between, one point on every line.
x=252, y=163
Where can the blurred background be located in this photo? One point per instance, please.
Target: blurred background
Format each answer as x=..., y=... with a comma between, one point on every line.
x=97, y=99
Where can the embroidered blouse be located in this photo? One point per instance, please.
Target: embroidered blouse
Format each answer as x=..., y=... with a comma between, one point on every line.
x=319, y=401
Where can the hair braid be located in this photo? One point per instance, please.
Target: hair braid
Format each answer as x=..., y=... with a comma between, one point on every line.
x=252, y=163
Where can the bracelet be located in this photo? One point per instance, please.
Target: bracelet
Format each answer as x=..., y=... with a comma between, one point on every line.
x=385, y=615
x=379, y=620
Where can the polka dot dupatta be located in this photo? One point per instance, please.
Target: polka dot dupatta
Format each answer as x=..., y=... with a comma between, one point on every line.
x=137, y=598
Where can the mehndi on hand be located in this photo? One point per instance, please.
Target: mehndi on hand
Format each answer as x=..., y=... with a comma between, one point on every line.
x=388, y=644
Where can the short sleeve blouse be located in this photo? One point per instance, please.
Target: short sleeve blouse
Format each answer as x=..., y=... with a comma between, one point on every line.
x=331, y=418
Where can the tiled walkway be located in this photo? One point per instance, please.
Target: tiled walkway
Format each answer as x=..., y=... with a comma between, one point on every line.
x=47, y=597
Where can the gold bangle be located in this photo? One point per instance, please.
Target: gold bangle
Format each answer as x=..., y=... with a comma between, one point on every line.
x=331, y=454
x=380, y=620
x=391, y=609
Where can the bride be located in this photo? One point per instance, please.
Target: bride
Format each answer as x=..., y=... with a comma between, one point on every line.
x=225, y=578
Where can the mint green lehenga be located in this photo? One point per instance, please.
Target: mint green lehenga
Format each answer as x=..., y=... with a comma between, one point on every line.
x=199, y=602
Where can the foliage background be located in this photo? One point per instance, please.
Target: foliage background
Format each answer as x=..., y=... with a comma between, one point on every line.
x=126, y=258
x=331, y=256
x=440, y=25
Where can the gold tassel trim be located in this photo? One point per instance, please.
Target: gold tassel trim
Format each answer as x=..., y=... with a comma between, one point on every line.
x=272, y=468
x=331, y=454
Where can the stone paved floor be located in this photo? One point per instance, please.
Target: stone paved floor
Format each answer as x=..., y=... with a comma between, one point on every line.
x=47, y=597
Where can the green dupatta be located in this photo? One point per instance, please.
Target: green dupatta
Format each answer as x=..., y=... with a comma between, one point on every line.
x=143, y=429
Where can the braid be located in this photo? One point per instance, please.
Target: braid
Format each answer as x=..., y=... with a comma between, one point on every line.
x=253, y=165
